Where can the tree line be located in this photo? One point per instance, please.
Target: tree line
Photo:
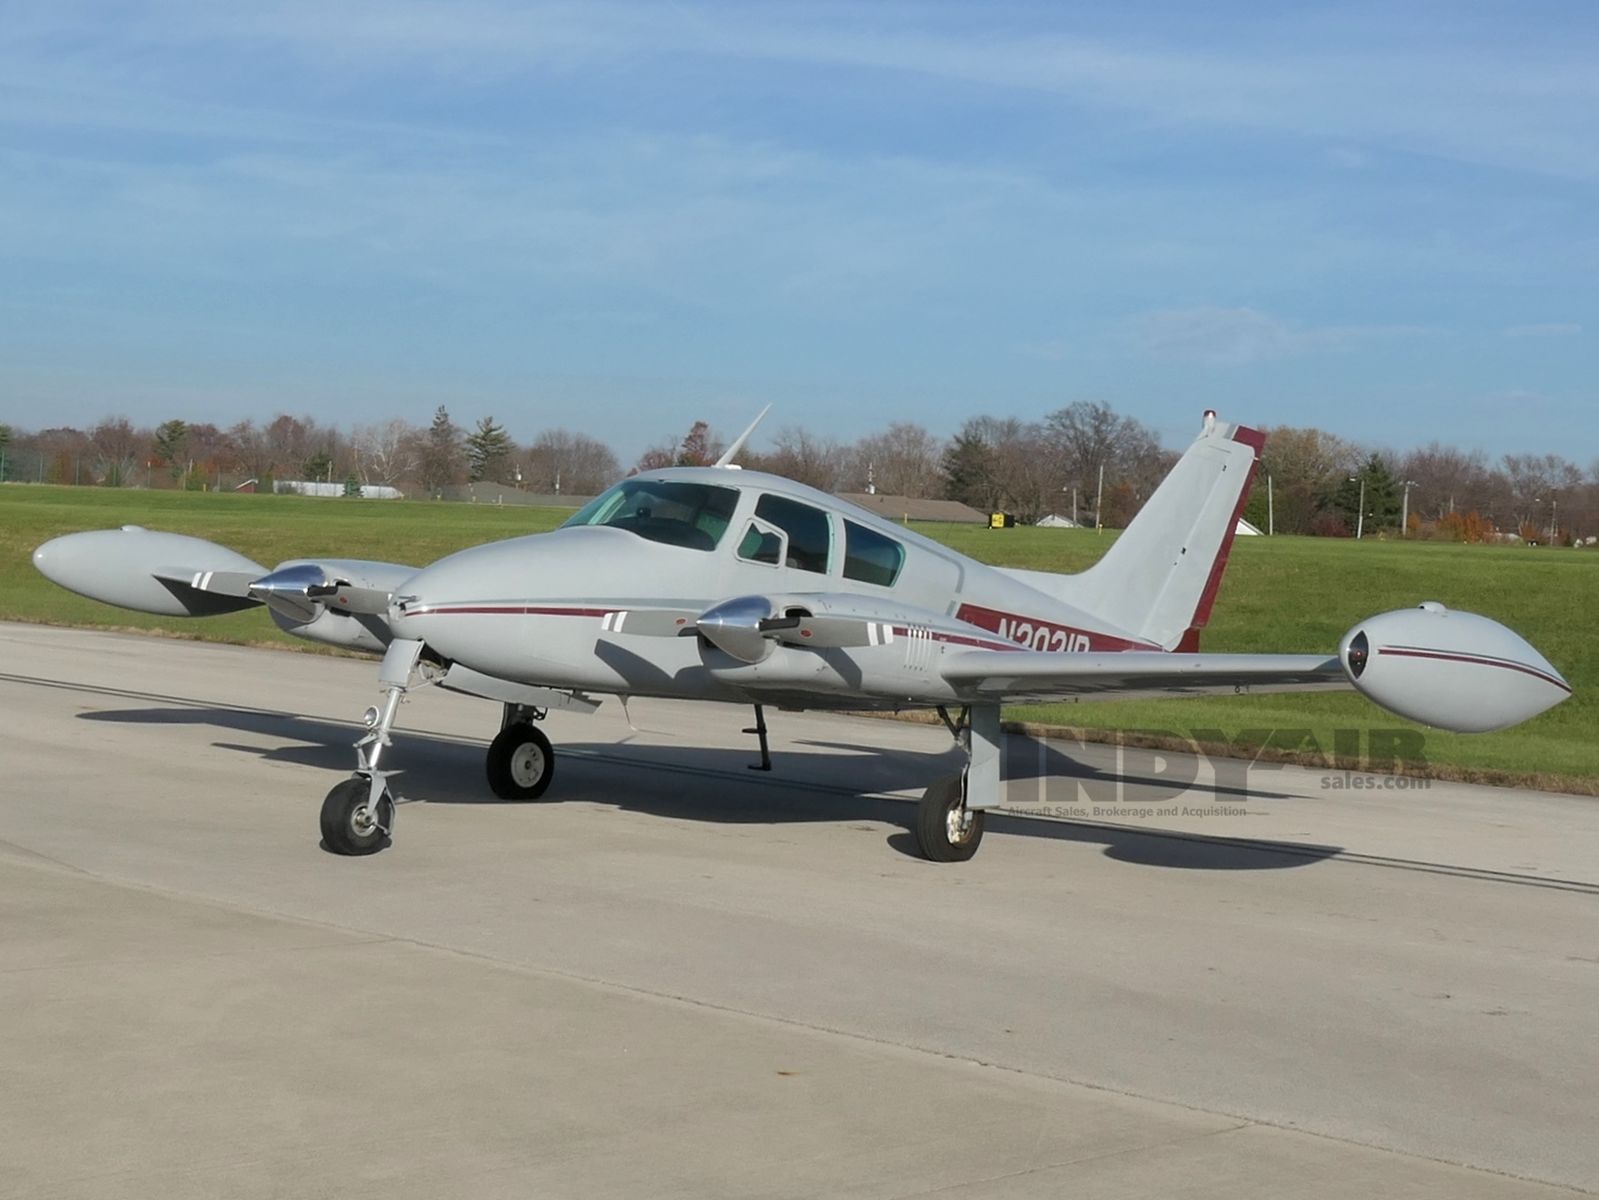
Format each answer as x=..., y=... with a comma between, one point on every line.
x=1084, y=459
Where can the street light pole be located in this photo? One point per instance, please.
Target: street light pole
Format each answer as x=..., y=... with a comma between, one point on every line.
x=1404, y=510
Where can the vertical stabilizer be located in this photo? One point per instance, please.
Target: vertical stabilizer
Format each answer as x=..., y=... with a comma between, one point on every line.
x=1160, y=578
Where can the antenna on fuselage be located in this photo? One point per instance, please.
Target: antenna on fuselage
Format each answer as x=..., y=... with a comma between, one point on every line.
x=738, y=443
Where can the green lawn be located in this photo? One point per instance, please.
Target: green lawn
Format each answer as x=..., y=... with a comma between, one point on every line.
x=1280, y=594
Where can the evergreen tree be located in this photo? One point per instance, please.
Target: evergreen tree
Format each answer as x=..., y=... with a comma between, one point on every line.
x=968, y=467
x=319, y=467
x=352, y=485
x=489, y=451
x=171, y=446
x=443, y=462
x=1381, y=495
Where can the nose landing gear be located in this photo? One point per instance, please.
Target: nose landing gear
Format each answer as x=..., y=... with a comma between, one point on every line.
x=358, y=814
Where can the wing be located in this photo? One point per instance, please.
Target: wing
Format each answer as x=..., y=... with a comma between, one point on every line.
x=1026, y=676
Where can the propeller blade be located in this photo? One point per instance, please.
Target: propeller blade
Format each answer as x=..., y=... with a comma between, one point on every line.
x=651, y=622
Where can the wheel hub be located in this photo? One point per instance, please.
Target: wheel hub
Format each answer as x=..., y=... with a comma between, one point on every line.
x=958, y=824
x=527, y=765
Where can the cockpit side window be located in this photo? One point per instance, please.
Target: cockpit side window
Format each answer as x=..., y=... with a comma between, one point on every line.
x=871, y=557
x=762, y=544
x=810, y=533
x=691, y=515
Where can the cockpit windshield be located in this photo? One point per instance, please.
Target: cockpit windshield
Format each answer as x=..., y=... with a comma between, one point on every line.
x=691, y=515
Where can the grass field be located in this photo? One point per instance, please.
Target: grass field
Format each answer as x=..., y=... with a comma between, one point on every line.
x=1279, y=595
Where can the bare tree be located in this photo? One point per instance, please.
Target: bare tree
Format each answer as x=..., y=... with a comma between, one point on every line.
x=800, y=455
x=571, y=463
x=903, y=460
x=1087, y=438
x=1445, y=480
x=385, y=451
x=1537, y=483
x=116, y=446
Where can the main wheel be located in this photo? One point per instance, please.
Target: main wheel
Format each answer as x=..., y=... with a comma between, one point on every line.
x=346, y=827
x=521, y=763
x=946, y=830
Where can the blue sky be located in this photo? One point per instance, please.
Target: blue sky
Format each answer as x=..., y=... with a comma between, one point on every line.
x=1382, y=219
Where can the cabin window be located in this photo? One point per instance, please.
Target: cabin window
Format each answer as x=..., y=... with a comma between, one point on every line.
x=871, y=557
x=810, y=533
x=761, y=545
x=691, y=515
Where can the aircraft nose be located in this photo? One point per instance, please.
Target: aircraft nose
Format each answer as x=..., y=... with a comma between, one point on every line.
x=452, y=606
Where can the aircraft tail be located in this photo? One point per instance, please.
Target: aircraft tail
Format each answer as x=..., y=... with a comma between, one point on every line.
x=1160, y=578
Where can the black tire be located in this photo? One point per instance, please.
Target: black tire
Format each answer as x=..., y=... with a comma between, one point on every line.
x=342, y=831
x=936, y=818
x=520, y=763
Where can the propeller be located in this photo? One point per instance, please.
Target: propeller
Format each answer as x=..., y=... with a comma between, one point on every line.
x=302, y=590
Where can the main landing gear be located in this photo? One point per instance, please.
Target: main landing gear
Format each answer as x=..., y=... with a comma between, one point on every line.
x=950, y=817
x=521, y=761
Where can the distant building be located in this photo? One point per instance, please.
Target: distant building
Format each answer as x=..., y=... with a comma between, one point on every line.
x=1245, y=529
x=901, y=508
x=1056, y=521
x=306, y=487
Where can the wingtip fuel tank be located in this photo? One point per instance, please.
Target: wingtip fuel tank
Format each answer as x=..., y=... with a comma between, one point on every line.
x=1448, y=669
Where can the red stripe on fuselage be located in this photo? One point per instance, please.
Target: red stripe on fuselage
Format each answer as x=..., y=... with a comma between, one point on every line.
x=1036, y=633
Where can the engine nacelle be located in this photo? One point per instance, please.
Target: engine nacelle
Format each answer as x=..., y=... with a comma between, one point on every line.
x=1451, y=670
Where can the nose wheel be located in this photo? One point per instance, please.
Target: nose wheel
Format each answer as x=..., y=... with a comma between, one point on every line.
x=520, y=763
x=354, y=821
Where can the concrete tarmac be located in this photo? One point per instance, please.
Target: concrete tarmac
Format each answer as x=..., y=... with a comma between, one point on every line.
x=679, y=977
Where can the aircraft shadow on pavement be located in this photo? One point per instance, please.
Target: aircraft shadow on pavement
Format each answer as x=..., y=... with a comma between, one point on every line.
x=713, y=784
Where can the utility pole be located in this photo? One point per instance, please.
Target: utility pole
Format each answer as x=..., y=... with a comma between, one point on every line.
x=1554, y=520
x=1271, y=510
x=1360, y=517
x=1074, y=507
x=1099, y=502
x=1404, y=510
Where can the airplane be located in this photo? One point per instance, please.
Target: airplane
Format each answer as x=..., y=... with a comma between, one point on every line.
x=717, y=583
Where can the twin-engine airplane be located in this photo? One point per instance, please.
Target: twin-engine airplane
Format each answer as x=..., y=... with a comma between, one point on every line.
x=712, y=583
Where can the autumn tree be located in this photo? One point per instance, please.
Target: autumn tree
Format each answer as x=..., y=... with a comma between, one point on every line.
x=1305, y=467
x=699, y=447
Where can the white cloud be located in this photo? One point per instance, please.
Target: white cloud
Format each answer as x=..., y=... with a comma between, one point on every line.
x=1240, y=336
x=1546, y=329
